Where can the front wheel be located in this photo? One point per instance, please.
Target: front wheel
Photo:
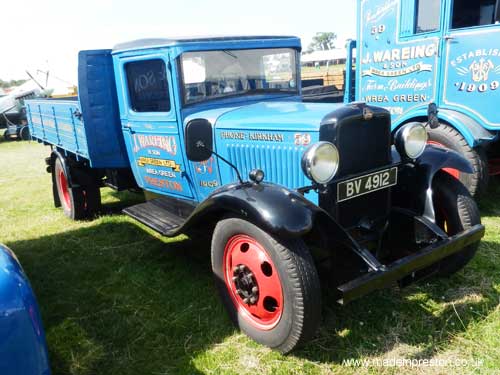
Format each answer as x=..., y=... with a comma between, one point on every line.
x=269, y=287
x=455, y=211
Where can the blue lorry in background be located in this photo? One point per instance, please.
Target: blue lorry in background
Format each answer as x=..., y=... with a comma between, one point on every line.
x=215, y=132
x=413, y=52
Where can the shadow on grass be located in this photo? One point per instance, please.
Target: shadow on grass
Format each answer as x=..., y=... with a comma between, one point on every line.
x=123, y=200
x=489, y=202
x=116, y=299
x=427, y=315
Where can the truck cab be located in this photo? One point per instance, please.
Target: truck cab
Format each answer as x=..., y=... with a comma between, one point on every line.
x=215, y=132
x=414, y=52
x=162, y=84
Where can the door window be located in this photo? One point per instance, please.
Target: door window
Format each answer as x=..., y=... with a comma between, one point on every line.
x=467, y=13
x=428, y=13
x=148, y=86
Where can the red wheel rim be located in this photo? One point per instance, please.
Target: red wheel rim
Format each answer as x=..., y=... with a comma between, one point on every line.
x=451, y=171
x=63, y=184
x=253, y=282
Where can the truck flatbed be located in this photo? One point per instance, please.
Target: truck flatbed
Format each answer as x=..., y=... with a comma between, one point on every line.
x=87, y=126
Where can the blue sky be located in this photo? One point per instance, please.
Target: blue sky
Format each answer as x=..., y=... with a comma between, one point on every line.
x=47, y=34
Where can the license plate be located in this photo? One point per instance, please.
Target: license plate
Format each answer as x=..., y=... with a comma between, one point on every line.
x=366, y=184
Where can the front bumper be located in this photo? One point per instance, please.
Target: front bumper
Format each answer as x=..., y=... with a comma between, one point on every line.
x=387, y=275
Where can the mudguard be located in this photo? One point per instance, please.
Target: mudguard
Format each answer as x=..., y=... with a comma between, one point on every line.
x=432, y=160
x=55, y=154
x=436, y=158
x=277, y=210
x=76, y=177
x=472, y=131
x=23, y=349
x=274, y=208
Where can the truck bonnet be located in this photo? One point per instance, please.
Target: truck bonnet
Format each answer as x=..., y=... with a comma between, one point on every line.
x=271, y=136
x=267, y=116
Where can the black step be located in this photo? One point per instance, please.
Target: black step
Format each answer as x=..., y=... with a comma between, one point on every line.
x=164, y=215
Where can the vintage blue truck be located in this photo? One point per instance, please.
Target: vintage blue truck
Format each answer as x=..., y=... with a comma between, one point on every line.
x=413, y=52
x=215, y=131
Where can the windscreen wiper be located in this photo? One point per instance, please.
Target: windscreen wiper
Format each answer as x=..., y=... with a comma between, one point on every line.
x=229, y=53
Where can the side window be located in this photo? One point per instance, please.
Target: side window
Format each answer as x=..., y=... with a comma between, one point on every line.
x=148, y=86
x=427, y=15
x=467, y=13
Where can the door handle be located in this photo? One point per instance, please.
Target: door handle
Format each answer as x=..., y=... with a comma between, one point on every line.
x=448, y=37
x=129, y=127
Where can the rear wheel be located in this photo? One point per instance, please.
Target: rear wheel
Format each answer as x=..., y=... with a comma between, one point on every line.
x=446, y=136
x=455, y=211
x=24, y=133
x=79, y=202
x=270, y=288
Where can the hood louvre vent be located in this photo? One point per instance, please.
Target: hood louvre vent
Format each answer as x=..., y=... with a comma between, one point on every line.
x=281, y=164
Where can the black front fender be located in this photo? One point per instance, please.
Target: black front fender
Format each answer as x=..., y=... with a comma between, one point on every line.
x=428, y=164
x=277, y=210
x=435, y=158
x=273, y=208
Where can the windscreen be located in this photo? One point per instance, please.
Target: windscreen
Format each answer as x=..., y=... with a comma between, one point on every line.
x=217, y=74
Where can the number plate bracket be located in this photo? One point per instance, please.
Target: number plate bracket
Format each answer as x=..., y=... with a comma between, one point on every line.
x=366, y=184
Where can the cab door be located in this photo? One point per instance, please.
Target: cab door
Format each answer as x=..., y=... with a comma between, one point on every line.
x=471, y=60
x=150, y=125
x=398, y=50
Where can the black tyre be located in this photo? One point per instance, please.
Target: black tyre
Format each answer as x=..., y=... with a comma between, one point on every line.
x=269, y=287
x=7, y=135
x=77, y=202
x=477, y=182
x=455, y=211
x=24, y=133
x=92, y=194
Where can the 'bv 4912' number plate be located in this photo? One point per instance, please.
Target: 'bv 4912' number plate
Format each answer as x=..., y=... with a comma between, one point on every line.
x=366, y=184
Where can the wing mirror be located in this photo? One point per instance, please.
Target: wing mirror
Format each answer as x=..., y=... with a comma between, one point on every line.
x=199, y=140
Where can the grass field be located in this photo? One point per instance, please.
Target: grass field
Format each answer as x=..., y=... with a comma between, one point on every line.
x=117, y=299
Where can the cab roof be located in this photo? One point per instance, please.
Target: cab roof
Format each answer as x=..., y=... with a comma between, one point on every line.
x=178, y=41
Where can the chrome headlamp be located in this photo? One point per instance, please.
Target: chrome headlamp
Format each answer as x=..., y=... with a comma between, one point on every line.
x=320, y=162
x=411, y=139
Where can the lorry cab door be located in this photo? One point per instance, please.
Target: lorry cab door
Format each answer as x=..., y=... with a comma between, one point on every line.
x=398, y=47
x=149, y=123
x=471, y=60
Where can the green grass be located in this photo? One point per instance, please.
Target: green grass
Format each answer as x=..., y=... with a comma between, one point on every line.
x=117, y=299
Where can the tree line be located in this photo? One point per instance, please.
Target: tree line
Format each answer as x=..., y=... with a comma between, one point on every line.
x=11, y=83
x=322, y=41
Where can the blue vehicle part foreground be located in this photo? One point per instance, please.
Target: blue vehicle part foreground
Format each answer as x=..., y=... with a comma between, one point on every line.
x=22, y=339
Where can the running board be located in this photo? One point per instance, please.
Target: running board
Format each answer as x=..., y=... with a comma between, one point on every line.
x=164, y=215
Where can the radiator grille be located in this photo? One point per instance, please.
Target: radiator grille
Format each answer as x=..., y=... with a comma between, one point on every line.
x=364, y=144
x=281, y=164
